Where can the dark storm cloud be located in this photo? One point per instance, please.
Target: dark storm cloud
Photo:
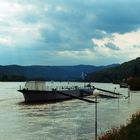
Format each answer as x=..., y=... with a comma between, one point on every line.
x=86, y=19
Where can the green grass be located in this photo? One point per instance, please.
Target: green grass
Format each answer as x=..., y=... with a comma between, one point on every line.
x=129, y=132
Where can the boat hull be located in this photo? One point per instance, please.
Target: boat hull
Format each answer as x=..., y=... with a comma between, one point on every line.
x=52, y=96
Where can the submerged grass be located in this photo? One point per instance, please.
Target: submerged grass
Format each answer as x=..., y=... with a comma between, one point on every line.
x=129, y=132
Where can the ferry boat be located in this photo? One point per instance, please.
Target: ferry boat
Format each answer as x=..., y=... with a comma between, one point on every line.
x=37, y=91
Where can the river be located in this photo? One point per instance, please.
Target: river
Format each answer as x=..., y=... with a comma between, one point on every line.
x=67, y=120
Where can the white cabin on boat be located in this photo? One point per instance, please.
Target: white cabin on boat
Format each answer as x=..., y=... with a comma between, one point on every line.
x=35, y=85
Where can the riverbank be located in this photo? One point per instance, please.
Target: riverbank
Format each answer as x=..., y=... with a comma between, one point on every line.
x=129, y=132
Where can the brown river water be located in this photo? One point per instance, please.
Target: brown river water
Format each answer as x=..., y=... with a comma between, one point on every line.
x=67, y=120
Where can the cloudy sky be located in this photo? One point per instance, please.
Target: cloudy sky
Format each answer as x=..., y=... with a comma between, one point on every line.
x=69, y=32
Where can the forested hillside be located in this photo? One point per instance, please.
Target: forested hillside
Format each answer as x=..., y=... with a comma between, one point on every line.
x=118, y=73
x=64, y=73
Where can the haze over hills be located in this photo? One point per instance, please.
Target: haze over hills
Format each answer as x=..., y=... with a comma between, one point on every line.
x=118, y=73
x=21, y=73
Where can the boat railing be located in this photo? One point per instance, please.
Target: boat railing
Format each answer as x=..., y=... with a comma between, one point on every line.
x=63, y=87
x=50, y=88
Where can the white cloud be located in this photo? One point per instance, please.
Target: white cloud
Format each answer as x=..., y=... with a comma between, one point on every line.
x=60, y=8
x=8, y=9
x=127, y=40
x=85, y=53
x=123, y=41
x=6, y=41
x=128, y=44
x=20, y=34
x=14, y=32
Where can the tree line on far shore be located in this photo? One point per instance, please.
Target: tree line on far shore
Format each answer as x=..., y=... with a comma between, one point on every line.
x=4, y=78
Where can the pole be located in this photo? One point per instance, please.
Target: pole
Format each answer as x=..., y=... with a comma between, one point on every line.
x=128, y=91
x=128, y=94
x=95, y=117
x=118, y=101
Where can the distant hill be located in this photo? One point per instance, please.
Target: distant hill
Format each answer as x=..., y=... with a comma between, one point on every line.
x=118, y=73
x=64, y=73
